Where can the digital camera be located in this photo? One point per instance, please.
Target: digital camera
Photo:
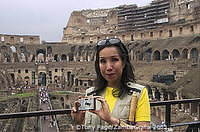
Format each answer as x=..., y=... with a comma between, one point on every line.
x=88, y=103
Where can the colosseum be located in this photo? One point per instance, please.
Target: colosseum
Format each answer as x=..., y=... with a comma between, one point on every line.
x=163, y=39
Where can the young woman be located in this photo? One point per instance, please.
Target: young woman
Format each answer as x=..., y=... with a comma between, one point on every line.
x=122, y=101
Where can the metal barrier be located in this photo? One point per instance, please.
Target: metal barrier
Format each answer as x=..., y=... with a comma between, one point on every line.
x=192, y=125
x=34, y=113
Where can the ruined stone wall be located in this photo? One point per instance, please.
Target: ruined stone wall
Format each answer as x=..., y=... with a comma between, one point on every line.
x=183, y=10
x=19, y=39
x=160, y=20
x=55, y=62
x=83, y=26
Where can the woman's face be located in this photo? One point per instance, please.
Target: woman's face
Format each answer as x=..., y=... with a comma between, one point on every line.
x=111, y=65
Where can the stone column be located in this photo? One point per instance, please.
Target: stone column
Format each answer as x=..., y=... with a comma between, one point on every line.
x=198, y=111
x=153, y=93
x=188, y=55
x=88, y=58
x=81, y=58
x=67, y=58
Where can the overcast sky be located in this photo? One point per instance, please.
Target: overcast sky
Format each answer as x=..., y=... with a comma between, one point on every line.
x=47, y=18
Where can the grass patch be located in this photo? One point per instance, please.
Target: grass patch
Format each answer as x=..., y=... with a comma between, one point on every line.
x=21, y=95
x=64, y=93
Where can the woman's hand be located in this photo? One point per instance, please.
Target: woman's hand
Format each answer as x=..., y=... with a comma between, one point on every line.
x=78, y=116
x=104, y=112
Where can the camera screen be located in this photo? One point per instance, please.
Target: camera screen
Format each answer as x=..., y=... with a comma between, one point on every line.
x=87, y=104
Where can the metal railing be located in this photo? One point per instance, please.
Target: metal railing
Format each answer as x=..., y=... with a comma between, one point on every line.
x=192, y=125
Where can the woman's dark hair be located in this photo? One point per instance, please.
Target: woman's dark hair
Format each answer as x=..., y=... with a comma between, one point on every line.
x=127, y=74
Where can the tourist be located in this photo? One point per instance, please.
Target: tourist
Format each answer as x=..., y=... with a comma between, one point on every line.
x=123, y=102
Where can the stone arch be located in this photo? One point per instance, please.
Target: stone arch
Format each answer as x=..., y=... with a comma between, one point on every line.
x=56, y=57
x=13, y=49
x=165, y=55
x=175, y=53
x=41, y=54
x=27, y=80
x=156, y=55
x=42, y=79
x=14, y=53
x=22, y=57
x=147, y=55
x=139, y=55
x=22, y=49
x=4, y=48
x=185, y=54
x=56, y=79
x=194, y=54
x=49, y=50
x=63, y=57
x=40, y=51
x=49, y=54
x=7, y=57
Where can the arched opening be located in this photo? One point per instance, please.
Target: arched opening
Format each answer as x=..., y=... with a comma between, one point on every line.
x=22, y=49
x=13, y=77
x=55, y=79
x=156, y=55
x=63, y=57
x=56, y=57
x=194, y=55
x=148, y=54
x=27, y=80
x=170, y=33
x=175, y=54
x=13, y=49
x=165, y=55
x=42, y=79
x=3, y=48
x=49, y=50
x=41, y=54
x=7, y=57
x=185, y=54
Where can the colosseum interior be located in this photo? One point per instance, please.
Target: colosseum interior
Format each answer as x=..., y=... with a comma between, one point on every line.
x=163, y=40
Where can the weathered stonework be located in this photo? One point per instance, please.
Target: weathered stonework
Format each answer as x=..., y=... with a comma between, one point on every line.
x=170, y=46
x=19, y=39
x=159, y=20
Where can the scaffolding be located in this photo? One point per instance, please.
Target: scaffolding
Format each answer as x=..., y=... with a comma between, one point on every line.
x=133, y=18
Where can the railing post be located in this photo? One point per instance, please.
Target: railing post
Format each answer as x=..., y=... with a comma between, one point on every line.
x=198, y=111
x=168, y=115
